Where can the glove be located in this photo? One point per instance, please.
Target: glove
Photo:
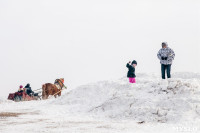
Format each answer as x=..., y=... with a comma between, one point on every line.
x=164, y=58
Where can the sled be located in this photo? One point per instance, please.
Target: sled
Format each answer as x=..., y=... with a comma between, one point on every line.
x=22, y=96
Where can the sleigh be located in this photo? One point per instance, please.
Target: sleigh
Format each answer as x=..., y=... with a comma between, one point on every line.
x=23, y=96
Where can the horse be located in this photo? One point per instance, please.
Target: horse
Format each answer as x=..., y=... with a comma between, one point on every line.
x=53, y=89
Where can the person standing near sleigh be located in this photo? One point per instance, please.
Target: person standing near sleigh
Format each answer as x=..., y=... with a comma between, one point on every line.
x=166, y=55
x=131, y=71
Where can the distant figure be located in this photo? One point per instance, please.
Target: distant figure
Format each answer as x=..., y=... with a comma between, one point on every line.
x=20, y=89
x=28, y=89
x=131, y=71
x=166, y=56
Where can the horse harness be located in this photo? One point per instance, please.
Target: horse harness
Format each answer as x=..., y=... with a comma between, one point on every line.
x=57, y=82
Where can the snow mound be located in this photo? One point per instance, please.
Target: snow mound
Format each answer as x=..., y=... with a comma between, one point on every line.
x=186, y=75
x=2, y=100
x=149, y=100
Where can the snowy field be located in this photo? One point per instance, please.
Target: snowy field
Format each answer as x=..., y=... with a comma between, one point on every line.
x=151, y=105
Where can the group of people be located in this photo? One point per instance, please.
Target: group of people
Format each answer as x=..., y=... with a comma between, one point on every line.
x=27, y=89
x=166, y=55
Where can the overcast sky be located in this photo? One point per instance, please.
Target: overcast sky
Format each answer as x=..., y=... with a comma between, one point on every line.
x=90, y=40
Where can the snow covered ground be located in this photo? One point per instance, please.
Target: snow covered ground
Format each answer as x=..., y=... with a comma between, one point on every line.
x=151, y=105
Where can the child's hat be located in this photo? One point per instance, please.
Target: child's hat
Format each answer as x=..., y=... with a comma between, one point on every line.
x=134, y=62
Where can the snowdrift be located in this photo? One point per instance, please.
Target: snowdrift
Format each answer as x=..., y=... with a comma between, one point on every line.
x=149, y=100
x=3, y=100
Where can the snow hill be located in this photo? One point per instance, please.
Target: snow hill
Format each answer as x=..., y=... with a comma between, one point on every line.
x=111, y=107
x=150, y=100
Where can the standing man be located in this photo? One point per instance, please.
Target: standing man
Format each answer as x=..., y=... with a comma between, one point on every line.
x=166, y=56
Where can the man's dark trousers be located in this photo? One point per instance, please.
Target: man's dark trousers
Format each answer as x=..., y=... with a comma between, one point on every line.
x=165, y=68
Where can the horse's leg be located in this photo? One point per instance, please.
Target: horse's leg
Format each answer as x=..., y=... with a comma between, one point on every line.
x=43, y=91
x=43, y=96
x=47, y=96
x=59, y=94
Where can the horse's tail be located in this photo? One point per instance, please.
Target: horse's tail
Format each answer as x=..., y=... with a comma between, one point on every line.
x=43, y=87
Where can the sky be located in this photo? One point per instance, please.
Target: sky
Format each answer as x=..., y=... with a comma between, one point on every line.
x=91, y=40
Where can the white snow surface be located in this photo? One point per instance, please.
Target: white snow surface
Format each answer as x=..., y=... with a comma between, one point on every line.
x=150, y=105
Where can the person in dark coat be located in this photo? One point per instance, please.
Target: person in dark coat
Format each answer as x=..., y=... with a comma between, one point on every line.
x=131, y=71
x=28, y=89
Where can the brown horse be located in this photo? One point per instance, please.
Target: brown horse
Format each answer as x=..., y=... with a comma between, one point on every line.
x=52, y=89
